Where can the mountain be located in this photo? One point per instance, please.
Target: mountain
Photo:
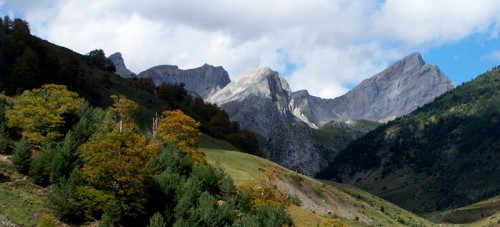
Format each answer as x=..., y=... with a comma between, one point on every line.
x=443, y=155
x=287, y=122
x=204, y=81
x=259, y=100
x=119, y=63
x=396, y=91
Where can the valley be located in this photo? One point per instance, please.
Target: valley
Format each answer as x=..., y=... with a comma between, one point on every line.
x=405, y=147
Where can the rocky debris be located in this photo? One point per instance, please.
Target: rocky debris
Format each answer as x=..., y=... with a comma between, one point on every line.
x=4, y=222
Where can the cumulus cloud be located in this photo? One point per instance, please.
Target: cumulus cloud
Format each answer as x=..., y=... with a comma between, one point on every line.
x=319, y=45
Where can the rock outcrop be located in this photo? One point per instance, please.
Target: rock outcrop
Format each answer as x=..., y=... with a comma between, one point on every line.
x=203, y=81
x=261, y=101
x=121, y=69
x=396, y=91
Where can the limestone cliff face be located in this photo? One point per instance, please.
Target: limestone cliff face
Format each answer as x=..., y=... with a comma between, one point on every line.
x=204, y=81
x=121, y=69
x=261, y=101
x=396, y=91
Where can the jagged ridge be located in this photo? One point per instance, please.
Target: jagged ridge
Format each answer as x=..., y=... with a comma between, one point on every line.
x=204, y=81
x=261, y=101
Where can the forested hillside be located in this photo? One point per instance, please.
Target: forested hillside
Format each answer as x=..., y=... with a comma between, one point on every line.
x=443, y=155
x=28, y=62
x=100, y=167
x=93, y=144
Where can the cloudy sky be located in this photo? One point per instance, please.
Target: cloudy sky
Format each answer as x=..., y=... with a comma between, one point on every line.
x=325, y=46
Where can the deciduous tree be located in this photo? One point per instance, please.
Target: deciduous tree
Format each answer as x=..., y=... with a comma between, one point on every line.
x=181, y=129
x=43, y=112
x=114, y=159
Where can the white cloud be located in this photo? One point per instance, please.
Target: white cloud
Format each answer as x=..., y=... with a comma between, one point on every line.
x=428, y=21
x=320, y=45
x=494, y=55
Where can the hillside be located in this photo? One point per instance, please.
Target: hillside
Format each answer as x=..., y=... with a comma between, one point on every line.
x=443, y=155
x=286, y=122
x=486, y=212
x=318, y=199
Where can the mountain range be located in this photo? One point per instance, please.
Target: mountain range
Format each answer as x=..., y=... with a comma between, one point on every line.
x=431, y=157
x=443, y=155
x=287, y=122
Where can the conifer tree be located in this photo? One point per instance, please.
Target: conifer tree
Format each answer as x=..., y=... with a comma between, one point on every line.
x=4, y=134
x=157, y=221
x=22, y=156
x=63, y=197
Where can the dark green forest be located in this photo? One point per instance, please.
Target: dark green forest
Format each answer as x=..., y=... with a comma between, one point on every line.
x=445, y=149
x=77, y=129
x=28, y=62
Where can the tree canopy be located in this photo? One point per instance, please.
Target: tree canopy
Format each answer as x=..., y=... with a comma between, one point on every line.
x=181, y=129
x=114, y=159
x=42, y=112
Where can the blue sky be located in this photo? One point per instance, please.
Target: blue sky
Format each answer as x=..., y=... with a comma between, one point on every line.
x=324, y=46
x=467, y=58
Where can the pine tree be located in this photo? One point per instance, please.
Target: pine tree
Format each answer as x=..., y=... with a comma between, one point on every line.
x=112, y=214
x=157, y=221
x=41, y=164
x=4, y=134
x=22, y=156
x=63, y=198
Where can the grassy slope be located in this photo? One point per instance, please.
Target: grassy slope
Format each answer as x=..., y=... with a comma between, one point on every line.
x=24, y=203
x=483, y=213
x=21, y=201
x=318, y=198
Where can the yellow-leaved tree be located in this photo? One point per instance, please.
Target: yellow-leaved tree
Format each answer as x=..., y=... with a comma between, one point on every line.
x=182, y=130
x=42, y=112
x=114, y=162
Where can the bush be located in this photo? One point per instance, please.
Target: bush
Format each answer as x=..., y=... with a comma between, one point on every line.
x=47, y=220
x=268, y=216
x=294, y=199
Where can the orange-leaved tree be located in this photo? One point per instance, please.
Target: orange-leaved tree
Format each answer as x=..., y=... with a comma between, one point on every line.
x=114, y=161
x=182, y=130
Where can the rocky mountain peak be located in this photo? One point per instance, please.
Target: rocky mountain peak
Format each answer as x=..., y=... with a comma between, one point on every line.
x=414, y=59
x=260, y=81
x=119, y=63
x=204, y=81
x=396, y=91
x=262, y=101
